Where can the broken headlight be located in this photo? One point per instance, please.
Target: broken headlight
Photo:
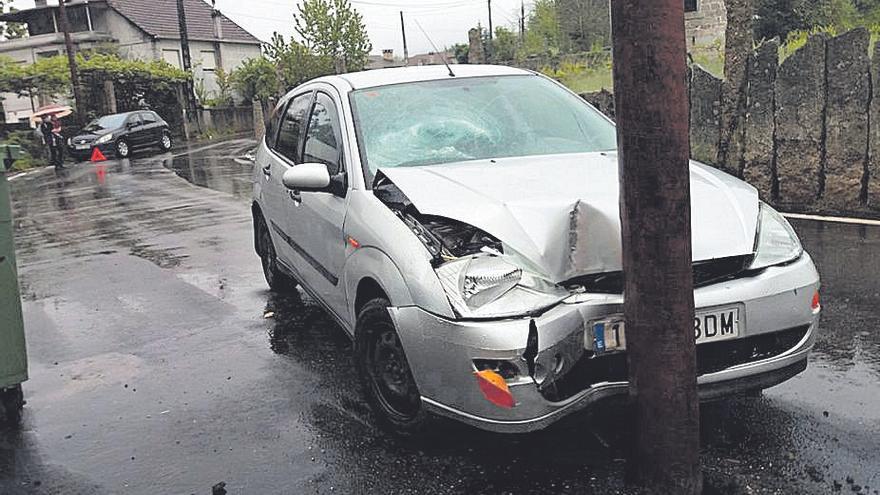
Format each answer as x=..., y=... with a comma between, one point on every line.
x=776, y=241
x=487, y=286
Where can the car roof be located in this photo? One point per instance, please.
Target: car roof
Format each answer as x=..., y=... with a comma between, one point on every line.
x=397, y=75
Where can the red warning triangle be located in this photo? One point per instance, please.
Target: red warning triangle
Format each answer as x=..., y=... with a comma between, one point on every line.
x=97, y=156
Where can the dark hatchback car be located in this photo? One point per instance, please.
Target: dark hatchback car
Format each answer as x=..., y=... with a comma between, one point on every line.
x=120, y=134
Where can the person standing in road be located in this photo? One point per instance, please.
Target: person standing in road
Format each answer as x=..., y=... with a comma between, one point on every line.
x=50, y=128
x=58, y=141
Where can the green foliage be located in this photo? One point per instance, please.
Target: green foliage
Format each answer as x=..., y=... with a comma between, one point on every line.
x=34, y=151
x=544, y=35
x=333, y=29
x=295, y=63
x=137, y=84
x=461, y=51
x=781, y=18
x=255, y=78
x=504, y=44
x=11, y=30
x=586, y=24
x=224, y=87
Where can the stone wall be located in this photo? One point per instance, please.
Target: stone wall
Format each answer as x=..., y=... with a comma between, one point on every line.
x=812, y=125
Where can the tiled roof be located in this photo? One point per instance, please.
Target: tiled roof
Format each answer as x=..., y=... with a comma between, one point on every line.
x=159, y=18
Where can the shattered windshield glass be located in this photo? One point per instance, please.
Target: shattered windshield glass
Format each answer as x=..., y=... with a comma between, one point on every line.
x=452, y=120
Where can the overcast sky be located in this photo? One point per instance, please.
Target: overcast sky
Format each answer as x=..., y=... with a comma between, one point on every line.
x=446, y=21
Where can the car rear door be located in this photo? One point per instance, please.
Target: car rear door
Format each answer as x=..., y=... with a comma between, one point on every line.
x=315, y=219
x=152, y=129
x=285, y=152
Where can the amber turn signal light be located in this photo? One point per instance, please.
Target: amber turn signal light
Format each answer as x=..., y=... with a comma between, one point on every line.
x=494, y=388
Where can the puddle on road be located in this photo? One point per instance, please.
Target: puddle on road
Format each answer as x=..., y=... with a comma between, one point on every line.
x=214, y=171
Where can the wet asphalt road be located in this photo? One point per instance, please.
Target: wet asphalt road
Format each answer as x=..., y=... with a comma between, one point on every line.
x=154, y=369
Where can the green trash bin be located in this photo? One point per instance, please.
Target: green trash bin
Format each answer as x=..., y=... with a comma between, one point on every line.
x=13, y=355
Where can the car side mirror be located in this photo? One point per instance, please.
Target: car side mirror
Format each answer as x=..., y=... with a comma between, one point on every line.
x=307, y=177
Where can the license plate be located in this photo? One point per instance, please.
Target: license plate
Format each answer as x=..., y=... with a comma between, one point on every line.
x=82, y=146
x=709, y=326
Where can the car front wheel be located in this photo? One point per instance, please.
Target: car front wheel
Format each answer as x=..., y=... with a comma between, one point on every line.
x=385, y=375
x=122, y=149
x=165, y=141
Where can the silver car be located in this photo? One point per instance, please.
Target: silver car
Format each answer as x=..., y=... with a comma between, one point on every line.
x=464, y=231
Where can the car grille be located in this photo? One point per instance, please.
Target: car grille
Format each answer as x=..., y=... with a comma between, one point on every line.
x=705, y=273
x=711, y=358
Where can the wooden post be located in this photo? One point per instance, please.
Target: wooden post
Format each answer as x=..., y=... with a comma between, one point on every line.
x=651, y=104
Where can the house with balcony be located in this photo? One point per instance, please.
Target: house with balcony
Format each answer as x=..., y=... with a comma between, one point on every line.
x=138, y=29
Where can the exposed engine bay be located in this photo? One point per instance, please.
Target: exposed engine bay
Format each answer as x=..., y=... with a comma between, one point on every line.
x=445, y=239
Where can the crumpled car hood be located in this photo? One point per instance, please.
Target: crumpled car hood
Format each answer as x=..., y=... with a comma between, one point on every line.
x=560, y=214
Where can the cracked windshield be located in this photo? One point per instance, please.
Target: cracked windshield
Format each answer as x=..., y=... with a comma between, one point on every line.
x=453, y=120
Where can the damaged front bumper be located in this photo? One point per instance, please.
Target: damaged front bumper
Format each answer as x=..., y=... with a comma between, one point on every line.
x=562, y=374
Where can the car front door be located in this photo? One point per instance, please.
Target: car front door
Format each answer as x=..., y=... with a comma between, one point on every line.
x=285, y=151
x=315, y=219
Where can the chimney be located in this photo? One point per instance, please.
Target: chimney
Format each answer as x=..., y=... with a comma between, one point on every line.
x=217, y=18
x=388, y=55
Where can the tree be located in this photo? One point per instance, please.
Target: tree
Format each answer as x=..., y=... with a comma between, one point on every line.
x=295, y=63
x=543, y=34
x=255, y=79
x=461, y=52
x=332, y=28
x=586, y=23
x=11, y=30
x=504, y=44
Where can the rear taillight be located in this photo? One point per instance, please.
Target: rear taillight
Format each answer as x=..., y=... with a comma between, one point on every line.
x=815, y=304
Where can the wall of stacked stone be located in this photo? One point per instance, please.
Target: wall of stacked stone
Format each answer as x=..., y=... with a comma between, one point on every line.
x=811, y=128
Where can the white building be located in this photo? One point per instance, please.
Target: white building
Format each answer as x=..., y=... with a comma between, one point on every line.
x=140, y=29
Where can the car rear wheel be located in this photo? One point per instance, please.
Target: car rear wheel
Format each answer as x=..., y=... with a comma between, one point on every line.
x=277, y=280
x=385, y=375
x=122, y=149
x=11, y=403
x=165, y=141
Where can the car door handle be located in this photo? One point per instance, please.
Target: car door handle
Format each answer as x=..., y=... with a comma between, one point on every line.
x=267, y=171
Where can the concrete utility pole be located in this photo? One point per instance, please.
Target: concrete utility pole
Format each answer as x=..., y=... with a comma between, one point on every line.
x=490, y=51
x=187, y=64
x=79, y=102
x=403, y=32
x=652, y=116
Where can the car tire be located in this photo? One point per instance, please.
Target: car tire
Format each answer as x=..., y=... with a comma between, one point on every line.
x=385, y=375
x=165, y=141
x=277, y=280
x=11, y=404
x=123, y=150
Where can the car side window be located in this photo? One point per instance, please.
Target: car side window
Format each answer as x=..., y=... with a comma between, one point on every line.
x=134, y=120
x=148, y=118
x=274, y=123
x=323, y=135
x=292, y=128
